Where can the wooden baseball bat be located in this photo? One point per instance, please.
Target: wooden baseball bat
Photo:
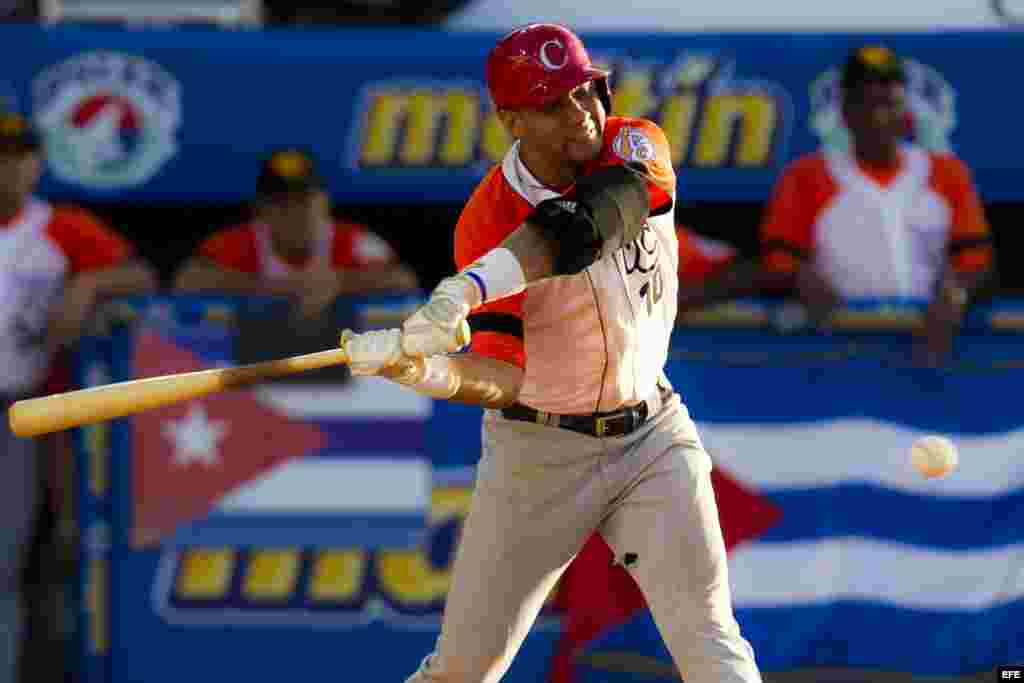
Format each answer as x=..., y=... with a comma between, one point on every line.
x=35, y=416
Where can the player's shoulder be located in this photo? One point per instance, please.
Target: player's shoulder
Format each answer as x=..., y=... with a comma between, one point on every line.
x=809, y=166
x=74, y=218
x=491, y=200
x=616, y=123
x=71, y=227
x=238, y=233
x=344, y=227
x=636, y=139
x=948, y=168
x=230, y=244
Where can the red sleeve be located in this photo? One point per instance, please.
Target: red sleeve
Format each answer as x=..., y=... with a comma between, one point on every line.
x=701, y=257
x=970, y=244
x=642, y=141
x=355, y=246
x=497, y=326
x=87, y=243
x=787, y=232
x=233, y=249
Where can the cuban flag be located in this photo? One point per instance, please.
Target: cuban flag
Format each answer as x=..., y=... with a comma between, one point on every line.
x=277, y=464
x=865, y=564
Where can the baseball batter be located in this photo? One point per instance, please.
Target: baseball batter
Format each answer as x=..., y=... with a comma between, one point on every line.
x=568, y=277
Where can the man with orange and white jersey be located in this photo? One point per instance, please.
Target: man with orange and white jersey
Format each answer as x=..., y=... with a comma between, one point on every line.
x=56, y=264
x=882, y=219
x=568, y=258
x=294, y=247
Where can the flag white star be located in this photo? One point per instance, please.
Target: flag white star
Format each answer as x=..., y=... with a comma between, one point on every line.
x=196, y=438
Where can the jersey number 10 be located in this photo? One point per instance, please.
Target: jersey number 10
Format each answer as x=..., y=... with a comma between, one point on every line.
x=652, y=290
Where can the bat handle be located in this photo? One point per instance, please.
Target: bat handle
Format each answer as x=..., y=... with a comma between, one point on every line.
x=463, y=335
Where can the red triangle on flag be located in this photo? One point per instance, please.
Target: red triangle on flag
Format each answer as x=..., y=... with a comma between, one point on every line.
x=188, y=456
x=596, y=594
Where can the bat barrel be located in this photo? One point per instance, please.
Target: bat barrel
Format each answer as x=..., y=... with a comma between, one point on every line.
x=36, y=416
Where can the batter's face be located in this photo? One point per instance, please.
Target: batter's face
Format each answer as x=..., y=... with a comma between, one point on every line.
x=19, y=173
x=567, y=131
x=295, y=217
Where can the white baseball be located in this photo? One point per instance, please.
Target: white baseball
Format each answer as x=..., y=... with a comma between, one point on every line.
x=934, y=456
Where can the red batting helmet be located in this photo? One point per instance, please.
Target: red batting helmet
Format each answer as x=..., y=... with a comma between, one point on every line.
x=536, y=64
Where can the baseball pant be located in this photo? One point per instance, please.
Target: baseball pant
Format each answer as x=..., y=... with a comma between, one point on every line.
x=18, y=488
x=540, y=492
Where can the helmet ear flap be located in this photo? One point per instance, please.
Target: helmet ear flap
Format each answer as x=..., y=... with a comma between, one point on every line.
x=604, y=91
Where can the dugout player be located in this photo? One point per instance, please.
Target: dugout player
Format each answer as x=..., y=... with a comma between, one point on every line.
x=883, y=219
x=294, y=247
x=568, y=259
x=56, y=264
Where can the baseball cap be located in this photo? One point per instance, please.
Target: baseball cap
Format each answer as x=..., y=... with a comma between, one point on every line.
x=16, y=133
x=288, y=170
x=538, y=63
x=872, y=64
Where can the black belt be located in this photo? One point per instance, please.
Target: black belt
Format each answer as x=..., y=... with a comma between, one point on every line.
x=616, y=423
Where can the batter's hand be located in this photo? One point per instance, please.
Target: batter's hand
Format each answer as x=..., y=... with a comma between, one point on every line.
x=439, y=326
x=369, y=353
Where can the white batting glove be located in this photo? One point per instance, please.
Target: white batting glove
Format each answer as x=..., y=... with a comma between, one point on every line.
x=439, y=326
x=372, y=351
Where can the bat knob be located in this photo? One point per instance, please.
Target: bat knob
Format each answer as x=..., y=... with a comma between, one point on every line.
x=346, y=334
x=463, y=334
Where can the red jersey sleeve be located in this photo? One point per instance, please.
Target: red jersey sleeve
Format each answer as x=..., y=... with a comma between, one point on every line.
x=643, y=142
x=233, y=249
x=87, y=243
x=497, y=326
x=970, y=243
x=787, y=232
x=355, y=246
x=701, y=257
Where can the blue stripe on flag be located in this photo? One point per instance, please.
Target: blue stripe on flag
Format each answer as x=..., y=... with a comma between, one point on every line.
x=869, y=511
x=883, y=637
x=944, y=402
x=350, y=530
x=859, y=635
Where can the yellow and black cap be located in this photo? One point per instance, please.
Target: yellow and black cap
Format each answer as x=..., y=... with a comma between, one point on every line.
x=872, y=64
x=286, y=171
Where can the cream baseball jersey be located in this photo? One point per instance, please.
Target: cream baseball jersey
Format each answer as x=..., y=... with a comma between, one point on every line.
x=877, y=232
x=39, y=248
x=593, y=341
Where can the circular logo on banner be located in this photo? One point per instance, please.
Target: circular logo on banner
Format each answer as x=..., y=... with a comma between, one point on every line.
x=109, y=120
x=931, y=105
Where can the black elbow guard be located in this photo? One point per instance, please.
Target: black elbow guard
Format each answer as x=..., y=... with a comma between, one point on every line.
x=575, y=242
x=617, y=199
x=611, y=204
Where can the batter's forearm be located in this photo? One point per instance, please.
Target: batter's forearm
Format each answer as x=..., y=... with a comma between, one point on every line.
x=533, y=250
x=465, y=378
x=486, y=382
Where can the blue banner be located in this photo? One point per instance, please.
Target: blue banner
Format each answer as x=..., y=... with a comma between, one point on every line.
x=186, y=115
x=858, y=561
x=297, y=525
x=314, y=525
